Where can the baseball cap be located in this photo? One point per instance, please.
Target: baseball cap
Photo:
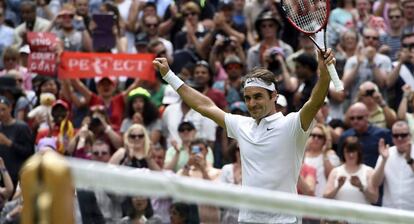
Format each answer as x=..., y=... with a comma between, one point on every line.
x=142, y=39
x=281, y=101
x=139, y=92
x=170, y=96
x=62, y=103
x=4, y=100
x=186, y=124
x=110, y=78
x=25, y=49
x=239, y=105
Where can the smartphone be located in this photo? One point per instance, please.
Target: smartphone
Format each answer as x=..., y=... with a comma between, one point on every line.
x=195, y=149
x=102, y=36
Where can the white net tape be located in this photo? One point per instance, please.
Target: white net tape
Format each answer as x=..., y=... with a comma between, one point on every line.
x=125, y=180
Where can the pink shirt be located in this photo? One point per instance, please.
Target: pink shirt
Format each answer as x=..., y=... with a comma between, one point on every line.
x=26, y=75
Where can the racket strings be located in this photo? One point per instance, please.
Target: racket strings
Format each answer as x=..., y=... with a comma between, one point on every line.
x=307, y=15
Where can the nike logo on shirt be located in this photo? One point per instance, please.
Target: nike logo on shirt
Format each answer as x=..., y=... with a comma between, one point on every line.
x=269, y=129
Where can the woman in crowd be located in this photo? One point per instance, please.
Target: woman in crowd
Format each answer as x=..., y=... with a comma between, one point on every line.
x=140, y=110
x=350, y=181
x=136, y=150
x=11, y=59
x=118, y=29
x=320, y=155
x=139, y=211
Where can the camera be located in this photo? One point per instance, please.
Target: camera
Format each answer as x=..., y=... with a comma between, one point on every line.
x=195, y=149
x=370, y=92
x=227, y=41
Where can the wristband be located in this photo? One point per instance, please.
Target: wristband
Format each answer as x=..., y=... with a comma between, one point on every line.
x=173, y=80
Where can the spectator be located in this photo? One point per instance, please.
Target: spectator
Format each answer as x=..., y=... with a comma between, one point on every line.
x=178, y=154
x=11, y=61
x=391, y=42
x=139, y=211
x=82, y=18
x=16, y=141
x=319, y=155
x=395, y=169
x=380, y=114
x=307, y=72
x=367, y=133
x=141, y=43
x=9, y=87
x=63, y=27
x=350, y=181
x=136, y=150
x=123, y=40
x=7, y=187
x=368, y=64
x=341, y=19
x=125, y=8
x=182, y=213
x=306, y=46
x=6, y=33
x=150, y=26
x=140, y=110
x=158, y=48
x=31, y=23
x=267, y=27
x=366, y=20
x=403, y=110
x=81, y=145
x=197, y=167
x=408, y=11
x=252, y=11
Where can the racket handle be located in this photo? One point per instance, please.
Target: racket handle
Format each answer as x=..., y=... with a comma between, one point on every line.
x=335, y=78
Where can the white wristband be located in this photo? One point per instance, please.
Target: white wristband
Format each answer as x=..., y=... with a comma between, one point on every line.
x=173, y=80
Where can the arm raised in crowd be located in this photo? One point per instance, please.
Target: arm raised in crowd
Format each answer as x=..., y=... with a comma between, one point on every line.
x=82, y=89
x=190, y=96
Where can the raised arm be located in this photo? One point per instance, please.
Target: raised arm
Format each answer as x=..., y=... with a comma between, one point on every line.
x=312, y=106
x=190, y=96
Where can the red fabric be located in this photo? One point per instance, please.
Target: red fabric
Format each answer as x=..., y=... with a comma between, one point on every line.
x=217, y=97
x=305, y=171
x=89, y=65
x=115, y=111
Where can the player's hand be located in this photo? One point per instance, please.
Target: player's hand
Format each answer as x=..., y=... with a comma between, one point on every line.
x=161, y=64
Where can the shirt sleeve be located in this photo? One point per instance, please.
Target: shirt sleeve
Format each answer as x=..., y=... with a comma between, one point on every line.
x=231, y=125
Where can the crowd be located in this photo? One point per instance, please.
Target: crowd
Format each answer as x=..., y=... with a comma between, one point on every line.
x=359, y=150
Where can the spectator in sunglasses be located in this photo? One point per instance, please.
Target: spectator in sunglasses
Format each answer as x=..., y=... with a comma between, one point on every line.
x=319, y=154
x=368, y=134
x=380, y=114
x=136, y=150
x=395, y=169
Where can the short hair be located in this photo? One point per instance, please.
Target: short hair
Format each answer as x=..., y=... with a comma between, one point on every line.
x=200, y=141
x=307, y=60
x=32, y=4
x=265, y=75
x=352, y=144
x=154, y=43
x=191, y=6
x=11, y=52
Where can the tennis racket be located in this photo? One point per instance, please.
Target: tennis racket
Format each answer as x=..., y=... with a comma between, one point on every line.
x=310, y=17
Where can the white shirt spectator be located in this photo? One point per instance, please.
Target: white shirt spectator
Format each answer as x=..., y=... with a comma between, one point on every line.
x=172, y=117
x=398, y=181
x=277, y=139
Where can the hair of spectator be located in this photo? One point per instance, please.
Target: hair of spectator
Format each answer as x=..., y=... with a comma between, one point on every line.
x=395, y=7
x=326, y=133
x=150, y=4
x=133, y=213
x=401, y=123
x=147, y=141
x=352, y=144
x=265, y=75
x=43, y=81
x=152, y=16
x=154, y=43
x=206, y=65
x=191, y=6
x=199, y=141
x=341, y=4
x=32, y=4
x=232, y=151
x=150, y=112
x=350, y=31
x=183, y=210
x=10, y=52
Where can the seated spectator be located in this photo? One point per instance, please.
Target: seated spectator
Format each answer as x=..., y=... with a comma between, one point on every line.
x=140, y=110
x=380, y=114
x=182, y=213
x=318, y=154
x=368, y=134
x=135, y=152
x=395, y=169
x=197, y=167
x=178, y=154
x=350, y=181
x=84, y=141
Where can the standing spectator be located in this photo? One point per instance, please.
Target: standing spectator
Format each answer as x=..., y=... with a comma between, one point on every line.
x=368, y=134
x=306, y=68
x=82, y=18
x=6, y=33
x=31, y=22
x=408, y=11
x=16, y=141
x=391, y=42
x=380, y=114
x=252, y=11
x=63, y=27
x=136, y=150
x=367, y=65
x=319, y=155
x=268, y=28
x=350, y=181
x=11, y=62
x=365, y=19
x=395, y=169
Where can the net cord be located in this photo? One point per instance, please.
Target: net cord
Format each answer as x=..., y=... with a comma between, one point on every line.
x=129, y=181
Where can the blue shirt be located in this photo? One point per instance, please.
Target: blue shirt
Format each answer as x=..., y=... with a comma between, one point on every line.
x=369, y=141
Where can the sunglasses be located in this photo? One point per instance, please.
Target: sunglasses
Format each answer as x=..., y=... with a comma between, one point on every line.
x=163, y=52
x=356, y=118
x=186, y=14
x=371, y=37
x=409, y=46
x=400, y=135
x=100, y=153
x=185, y=129
x=394, y=17
x=152, y=25
x=233, y=66
x=318, y=136
x=132, y=136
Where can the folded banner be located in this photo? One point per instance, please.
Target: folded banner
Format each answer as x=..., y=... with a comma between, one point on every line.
x=89, y=65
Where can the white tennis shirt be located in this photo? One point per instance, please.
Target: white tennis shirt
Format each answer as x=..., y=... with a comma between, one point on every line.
x=271, y=156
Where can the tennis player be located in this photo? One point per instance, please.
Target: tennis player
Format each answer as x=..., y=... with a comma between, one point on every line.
x=271, y=144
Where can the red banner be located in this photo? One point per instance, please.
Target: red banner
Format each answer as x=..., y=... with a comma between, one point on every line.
x=89, y=65
x=42, y=58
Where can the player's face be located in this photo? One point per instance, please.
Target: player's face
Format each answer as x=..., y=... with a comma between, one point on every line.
x=259, y=102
